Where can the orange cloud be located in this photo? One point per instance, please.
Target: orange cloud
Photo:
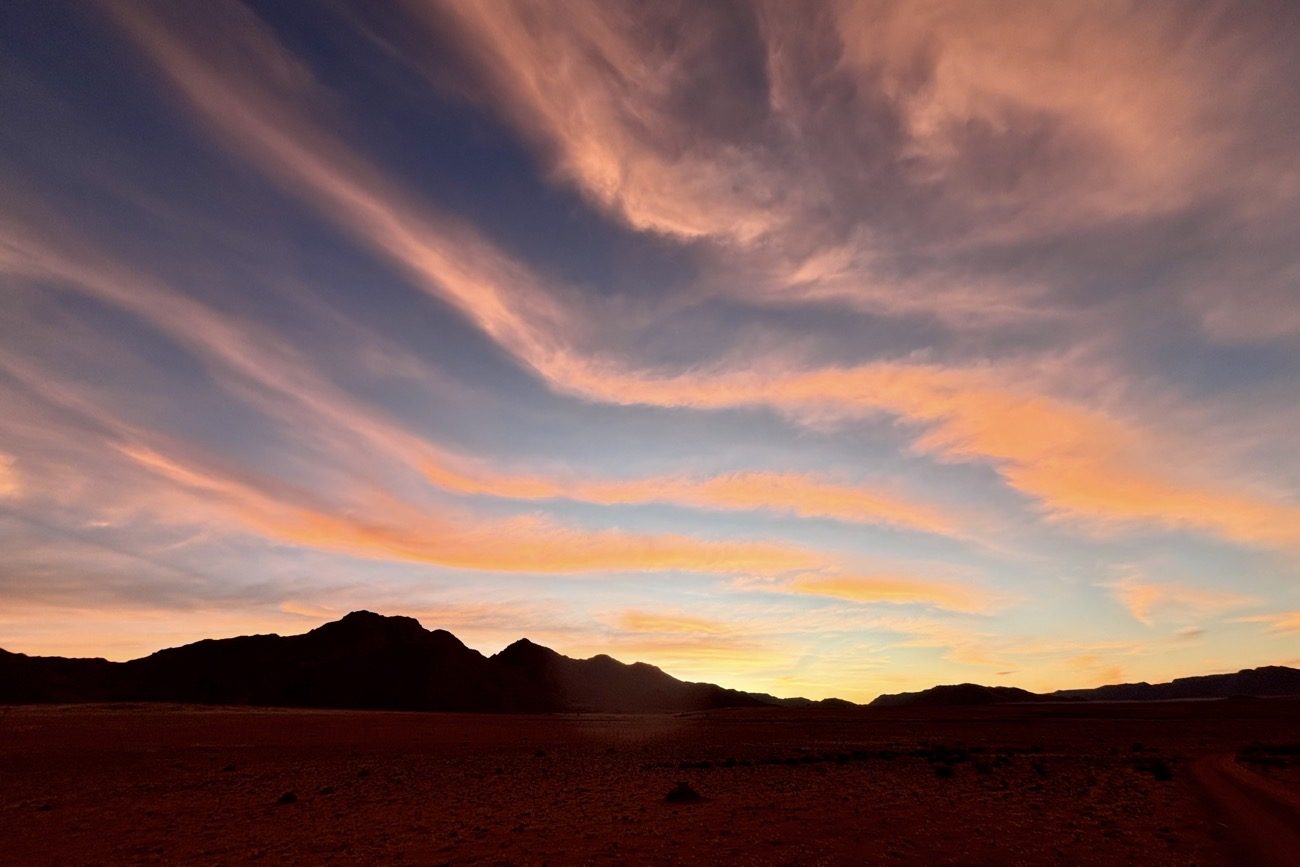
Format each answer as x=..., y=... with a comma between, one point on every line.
x=307, y=400
x=526, y=544
x=672, y=624
x=10, y=485
x=798, y=494
x=243, y=84
x=1282, y=621
x=614, y=106
x=889, y=589
x=604, y=103
x=582, y=81
x=378, y=524
x=601, y=95
x=1143, y=599
x=1141, y=149
x=1078, y=463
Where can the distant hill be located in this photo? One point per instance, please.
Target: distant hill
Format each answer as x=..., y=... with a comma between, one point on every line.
x=364, y=660
x=1266, y=681
x=1273, y=680
x=547, y=680
x=960, y=694
x=825, y=703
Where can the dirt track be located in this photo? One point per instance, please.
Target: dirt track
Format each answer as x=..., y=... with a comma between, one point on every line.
x=1262, y=817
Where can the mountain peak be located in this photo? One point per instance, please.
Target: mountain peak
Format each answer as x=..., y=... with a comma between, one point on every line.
x=367, y=625
x=524, y=652
x=363, y=618
x=958, y=694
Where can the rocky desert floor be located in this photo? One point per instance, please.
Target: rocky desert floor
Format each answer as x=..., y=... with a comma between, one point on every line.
x=1167, y=783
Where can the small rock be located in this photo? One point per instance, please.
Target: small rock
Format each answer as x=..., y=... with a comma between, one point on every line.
x=287, y=798
x=682, y=793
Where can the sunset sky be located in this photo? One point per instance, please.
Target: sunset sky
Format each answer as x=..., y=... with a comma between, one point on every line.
x=817, y=349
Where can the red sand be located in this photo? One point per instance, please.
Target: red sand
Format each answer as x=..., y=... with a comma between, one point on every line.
x=1028, y=784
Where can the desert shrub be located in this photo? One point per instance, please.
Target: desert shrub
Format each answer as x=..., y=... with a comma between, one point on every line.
x=1157, y=768
x=1270, y=755
x=682, y=793
x=948, y=754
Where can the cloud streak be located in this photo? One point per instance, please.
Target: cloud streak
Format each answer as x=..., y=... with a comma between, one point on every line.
x=10, y=484
x=891, y=589
x=1145, y=600
x=1077, y=463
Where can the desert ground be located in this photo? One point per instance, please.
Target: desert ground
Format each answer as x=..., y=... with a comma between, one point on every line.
x=1119, y=783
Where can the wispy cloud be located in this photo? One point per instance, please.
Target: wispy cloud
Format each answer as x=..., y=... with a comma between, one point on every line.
x=1282, y=621
x=383, y=525
x=10, y=486
x=534, y=543
x=1078, y=463
x=896, y=126
x=1146, y=600
x=798, y=494
x=672, y=624
x=603, y=97
x=891, y=589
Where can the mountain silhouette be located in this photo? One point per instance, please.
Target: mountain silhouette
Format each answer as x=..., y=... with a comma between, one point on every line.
x=602, y=683
x=370, y=661
x=959, y=694
x=363, y=660
x=1271, y=680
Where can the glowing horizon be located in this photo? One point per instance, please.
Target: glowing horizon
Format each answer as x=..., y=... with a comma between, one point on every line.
x=832, y=353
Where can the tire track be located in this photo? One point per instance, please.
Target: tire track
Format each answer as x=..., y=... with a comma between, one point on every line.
x=1262, y=816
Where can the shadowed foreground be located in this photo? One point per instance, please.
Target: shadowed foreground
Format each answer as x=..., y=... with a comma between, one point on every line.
x=1027, y=783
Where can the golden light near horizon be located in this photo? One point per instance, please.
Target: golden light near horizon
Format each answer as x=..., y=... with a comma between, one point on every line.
x=825, y=350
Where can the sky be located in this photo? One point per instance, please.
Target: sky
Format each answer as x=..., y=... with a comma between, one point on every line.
x=834, y=348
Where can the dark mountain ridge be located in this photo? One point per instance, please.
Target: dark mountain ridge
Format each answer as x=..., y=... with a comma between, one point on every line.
x=1269, y=680
x=369, y=661
x=958, y=694
x=363, y=660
